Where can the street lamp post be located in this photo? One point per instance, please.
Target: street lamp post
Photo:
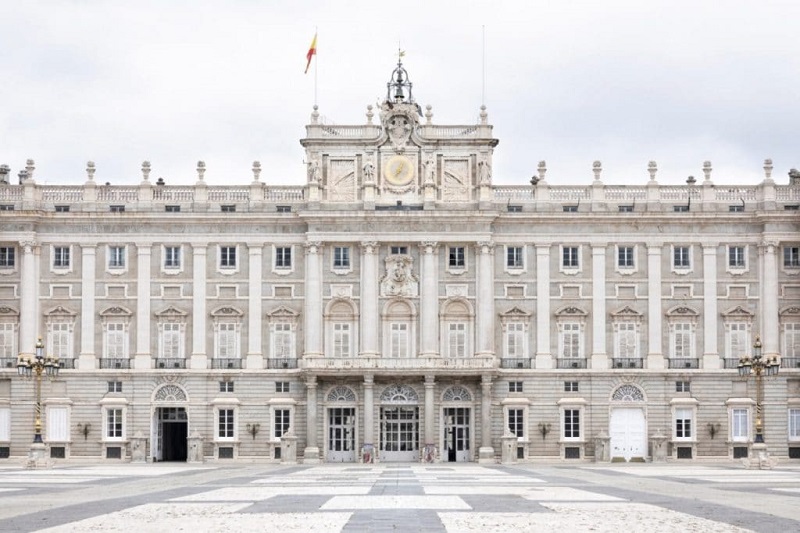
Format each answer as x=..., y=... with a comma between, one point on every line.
x=758, y=366
x=33, y=368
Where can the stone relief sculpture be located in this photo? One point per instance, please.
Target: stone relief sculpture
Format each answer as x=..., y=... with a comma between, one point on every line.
x=430, y=171
x=399, y=279
x=484, y=172
x=369, y=171
x=314, y=171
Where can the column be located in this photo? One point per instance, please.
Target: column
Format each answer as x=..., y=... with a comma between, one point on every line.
x=599, y=355
x=199, y=355
x=655, y=357
x=485, y=300
x=311, y=453
x=369, y=410
x=544, y=359
x=370, y=317
x=313, y=301
x=28, y=311
x=87, y=360
x=429, y=304
x=430, y=411
x=486, y=452
x=255, y=358
x=711, y=358
x=770, y=319
x=143, y=359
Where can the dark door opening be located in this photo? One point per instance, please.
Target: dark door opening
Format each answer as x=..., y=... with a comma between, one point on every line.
x=172, y=431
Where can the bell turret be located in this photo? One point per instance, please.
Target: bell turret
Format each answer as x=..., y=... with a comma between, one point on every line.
x=398, y=90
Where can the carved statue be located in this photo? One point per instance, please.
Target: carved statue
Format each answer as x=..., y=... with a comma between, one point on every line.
x=430, y=171
x=369, y=172
x=484, y=172
x=314, y=171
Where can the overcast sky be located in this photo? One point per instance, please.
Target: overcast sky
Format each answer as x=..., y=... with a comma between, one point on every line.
x=624, y=82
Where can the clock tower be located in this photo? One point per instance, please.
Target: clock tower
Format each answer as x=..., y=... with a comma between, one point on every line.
x=402, y=160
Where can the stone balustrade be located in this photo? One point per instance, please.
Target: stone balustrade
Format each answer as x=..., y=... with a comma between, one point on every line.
x=321, y=364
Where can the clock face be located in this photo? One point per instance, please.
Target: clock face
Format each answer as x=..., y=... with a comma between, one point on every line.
x=398, y=170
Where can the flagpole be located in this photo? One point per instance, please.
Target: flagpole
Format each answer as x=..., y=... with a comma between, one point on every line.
x=316, y=52
x=483, y=65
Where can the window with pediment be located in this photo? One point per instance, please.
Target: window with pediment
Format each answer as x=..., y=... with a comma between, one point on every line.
x=60, y=324
x=399, y=319
x=515, y=323
x=116, y=332
x=738, y=323
x=456, y=327
x=9, y=327
x=571, y=323
x=171, y=333
x=341, y=320
x=227, y=332
x=790, y=334
x=682, y=322
x=627, y=324
x=283, y=333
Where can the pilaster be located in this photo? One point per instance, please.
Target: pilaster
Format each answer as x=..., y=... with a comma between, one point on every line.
x=199, y=355
x=544, y=358
x=655, y=356
x=599, y=355
x=486, y=451
x=313, y=300
x=87, y=360
x=711, y=358
x=142, y=358
x=370, y=318
x=311, y=452
x=255, y=357
x=485, y=301
x=429, y=304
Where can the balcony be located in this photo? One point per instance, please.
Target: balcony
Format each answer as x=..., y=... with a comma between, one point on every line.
x=68, y=363
x=731, y=362
x=284, y=362
x=8, y=363
x=170, y=363
x=226, y=363
x=684, y=362
x=626, y=362
x=570, y=363
x=114, y=363
x=789, y=363
x=398, y=365
x=515, y=363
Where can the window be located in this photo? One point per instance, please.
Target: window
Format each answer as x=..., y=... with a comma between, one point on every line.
x=740, y=424
x=570, y=257
x=62, y=209
x=625, y=257
x=59, y=339
x=456, y=257
x=514, y=208
x=341, y=340
x=116, y=257
x=398, y=250
x=114, y=423
x=626, y=341
x=226, y=386
x=225, y=424
x=682, y=340
x=683, y=386
x=791, y=339
x=514, y=386
x=794, y=424
x=738, y=343
x=282, y=420
x=283, y=257
x=172, y=208
x=7, y=256
x=516, y=421
x=736, y=208
x=515, y=340
x=791, y=256
x=625, y=208
x=283, y=209
x=736, y=257
x=792, y=207
x=399, y=339
x=681, y=257
x=572, y=423
x=228, y=208
x=117, y=208
x=6, y=207
x=680, y=208
x=227, y=257
x=570, y=208
x=172, y=257
x=570, y=340
x=171, y=341
x=282, y=340
x=227, y=340
x=341, y=257
x=514, y=258
x=281, y=386
x=457, y=339
x=570, y=386
x=683, y=423
x=61, y=257
x=114, y=386
x=116, y=341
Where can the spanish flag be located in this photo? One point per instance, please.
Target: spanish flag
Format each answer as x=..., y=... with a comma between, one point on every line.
x=312, y=51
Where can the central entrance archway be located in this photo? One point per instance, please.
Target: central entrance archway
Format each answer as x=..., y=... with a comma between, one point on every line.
x=627, y=424
x=342, y=423
x=457, y=424
x=170, y=424
x=399, y=424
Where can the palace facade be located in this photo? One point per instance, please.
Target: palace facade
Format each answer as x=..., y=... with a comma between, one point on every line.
x=400, y=306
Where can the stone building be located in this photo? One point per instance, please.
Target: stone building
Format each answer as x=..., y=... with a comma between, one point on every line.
x=400, y=306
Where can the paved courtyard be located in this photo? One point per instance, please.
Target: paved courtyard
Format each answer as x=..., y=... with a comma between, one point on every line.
x=393, y=497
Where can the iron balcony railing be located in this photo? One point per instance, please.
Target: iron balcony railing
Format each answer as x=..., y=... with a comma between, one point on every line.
x=226, y=363
x=508, y=362
x=107, y=362
x=684, y=362
x=162, y=362
x=626, y=362
x=283, y=362
x=570, y=363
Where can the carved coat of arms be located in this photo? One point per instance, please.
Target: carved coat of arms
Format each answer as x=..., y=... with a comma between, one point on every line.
x=399, y=279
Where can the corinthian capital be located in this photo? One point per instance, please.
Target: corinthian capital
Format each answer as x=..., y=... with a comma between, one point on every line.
x=28, y=245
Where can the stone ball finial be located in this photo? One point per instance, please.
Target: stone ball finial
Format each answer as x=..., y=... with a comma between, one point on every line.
x=652, y=168
x=768, y=168
x=201, y=169
x=90, y=170
x=597, y=168
x=370, y=114
x=542, y=170
x=707, y=170
x=256, y=170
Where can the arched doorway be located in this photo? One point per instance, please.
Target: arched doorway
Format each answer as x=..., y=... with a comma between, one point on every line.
x=456, y=424
x=399, y=424
x=170, y=424
x=341, y=423
x=628, y=424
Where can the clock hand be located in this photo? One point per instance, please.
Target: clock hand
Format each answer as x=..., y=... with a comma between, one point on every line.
x=399, y=170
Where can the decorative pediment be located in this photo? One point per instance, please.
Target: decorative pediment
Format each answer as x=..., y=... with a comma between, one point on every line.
x=738, y=312
x=571, y=312
x=6, y=311
x=515, y=313
x=226, y=312
x=627, y=312
x=793, y=311
x=172, y=313
x=60, y=313
x=682, y=311
x=283, y=314
x=116, y=311
x=340, y=307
